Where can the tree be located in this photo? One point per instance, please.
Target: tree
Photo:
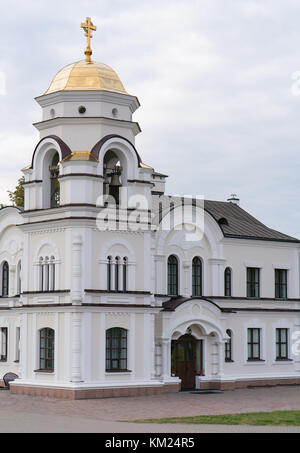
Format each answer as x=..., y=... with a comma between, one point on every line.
x=17, y=196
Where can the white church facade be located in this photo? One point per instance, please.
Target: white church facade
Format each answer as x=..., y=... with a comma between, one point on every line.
x=99, y=299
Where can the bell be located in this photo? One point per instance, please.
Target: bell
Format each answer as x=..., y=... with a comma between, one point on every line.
x=115, y=180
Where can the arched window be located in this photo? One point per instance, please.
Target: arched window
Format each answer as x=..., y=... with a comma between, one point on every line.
x=5, y=279
x=197, y=277
x=47, y=337
x=172, y=276
x=55, y=186
x=47, y=274
x=116, y=349
x=228, y=347
x=19, y=281
x=117, y=274
x=124, y=274
x=227, y=282
x=109, y=273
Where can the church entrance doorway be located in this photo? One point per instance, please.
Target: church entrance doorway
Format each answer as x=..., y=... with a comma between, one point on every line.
x=187, y=360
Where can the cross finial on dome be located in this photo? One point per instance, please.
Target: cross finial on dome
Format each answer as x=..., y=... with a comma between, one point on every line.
x=88, y=27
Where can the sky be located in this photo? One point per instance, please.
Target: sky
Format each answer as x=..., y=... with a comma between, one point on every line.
x=218, y=82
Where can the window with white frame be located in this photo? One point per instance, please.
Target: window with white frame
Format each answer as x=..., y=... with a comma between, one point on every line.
x=5, y=279
x=254, y=344
x=19, y=280
x=47, y=271
x=3, y=344
x=117, y=274
x=282, y=350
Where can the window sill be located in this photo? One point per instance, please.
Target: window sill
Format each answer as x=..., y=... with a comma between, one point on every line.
x=3, y=360
x=255, y=362
x=283, y=361
x=16, y=361
x=229, y=361
x=44, y=371
x=113, y=372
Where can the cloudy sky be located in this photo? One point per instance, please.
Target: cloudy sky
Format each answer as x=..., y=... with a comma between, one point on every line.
x=218, y=82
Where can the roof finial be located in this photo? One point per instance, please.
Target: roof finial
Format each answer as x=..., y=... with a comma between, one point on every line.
x=88, y=27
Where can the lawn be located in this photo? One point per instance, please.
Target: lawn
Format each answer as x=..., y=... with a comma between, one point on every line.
x=276, y=418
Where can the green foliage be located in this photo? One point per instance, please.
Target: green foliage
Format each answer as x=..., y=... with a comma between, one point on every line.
x=17, y=196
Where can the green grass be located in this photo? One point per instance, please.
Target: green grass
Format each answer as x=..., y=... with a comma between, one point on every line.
x=276, y=418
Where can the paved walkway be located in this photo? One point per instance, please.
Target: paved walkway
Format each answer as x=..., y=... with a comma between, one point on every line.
x=34, y=414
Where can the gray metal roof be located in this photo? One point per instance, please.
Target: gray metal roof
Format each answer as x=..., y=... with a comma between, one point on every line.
x=236, y=222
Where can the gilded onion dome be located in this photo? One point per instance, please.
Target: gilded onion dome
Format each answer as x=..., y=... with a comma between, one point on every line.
x=86, y=76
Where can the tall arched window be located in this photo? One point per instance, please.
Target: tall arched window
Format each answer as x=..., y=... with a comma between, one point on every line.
x=227, y=282
x=47, y=274
x=109, y=273
x=197, y=277
x=19, y=281
x=172, y=276
x=228, y=347
x=116, y=349
x=124, y=274
x=117, y=274
x=5, y=279
x=47, y=337
x=55, y=187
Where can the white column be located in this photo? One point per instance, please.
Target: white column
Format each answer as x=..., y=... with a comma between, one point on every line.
x=221, y=354
x=186, y=280
x=161, y=284
x=56, y=346
x=216, y=267
x=166, y=359
x=76, y=375
x=23, y=346
x=132, y=346
x=102, y=347
x=76, y=271
x=35, y=346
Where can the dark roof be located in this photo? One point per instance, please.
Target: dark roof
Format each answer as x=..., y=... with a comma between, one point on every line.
x=174, y=302
x=233, y=221
x=241, y=224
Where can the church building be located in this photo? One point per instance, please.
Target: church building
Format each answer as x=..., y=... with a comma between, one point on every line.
x=110, y=287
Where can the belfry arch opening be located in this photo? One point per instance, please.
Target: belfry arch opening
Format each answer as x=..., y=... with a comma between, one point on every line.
x=54, y=182
x=51, y=185
x=115, y=174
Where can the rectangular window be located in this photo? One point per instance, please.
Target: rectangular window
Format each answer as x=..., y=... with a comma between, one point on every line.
x=3, y=343
x=228, y=347
x=280, y=283
x=47, y=349
x=253, y=344
x=281, y=344
x=253, y=282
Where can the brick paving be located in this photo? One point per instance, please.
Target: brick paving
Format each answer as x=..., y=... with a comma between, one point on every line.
x=167, y=405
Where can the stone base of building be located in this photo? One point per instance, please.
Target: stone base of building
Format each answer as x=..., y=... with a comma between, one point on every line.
x=240, y=384
x=93, y=393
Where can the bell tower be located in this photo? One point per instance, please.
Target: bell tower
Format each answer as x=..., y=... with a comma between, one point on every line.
x=87, y=138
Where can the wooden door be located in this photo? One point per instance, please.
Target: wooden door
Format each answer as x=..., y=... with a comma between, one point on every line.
x=184, y=360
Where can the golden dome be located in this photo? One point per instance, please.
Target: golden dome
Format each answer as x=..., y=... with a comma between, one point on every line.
x=84, y=76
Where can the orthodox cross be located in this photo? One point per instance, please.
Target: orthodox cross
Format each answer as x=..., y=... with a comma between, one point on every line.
x=88, y=27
